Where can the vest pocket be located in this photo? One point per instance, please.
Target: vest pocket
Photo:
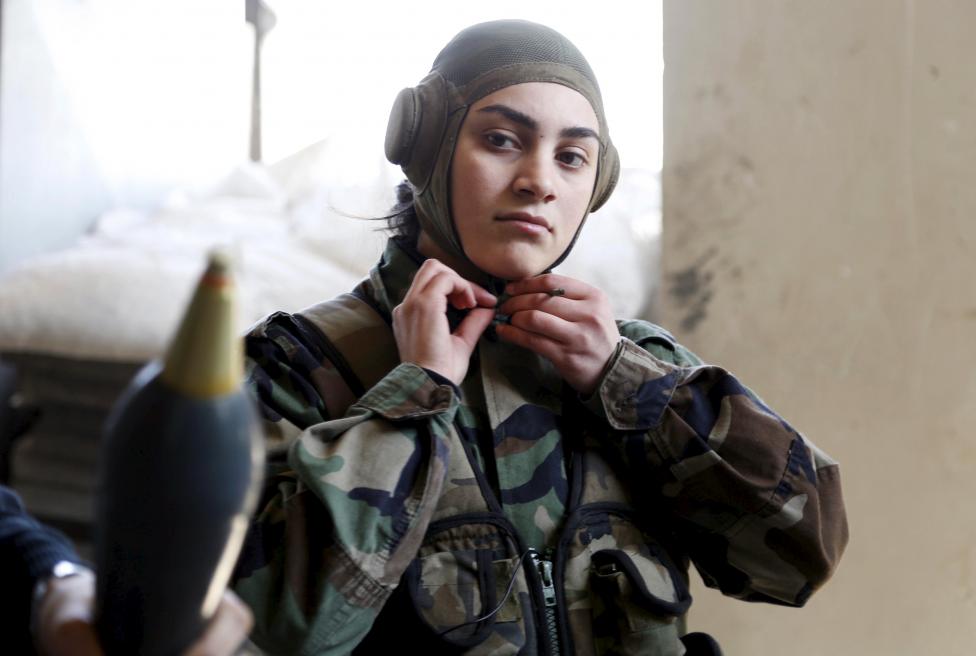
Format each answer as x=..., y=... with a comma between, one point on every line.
x=646, y=580
x=638, y=596
x=460, y=576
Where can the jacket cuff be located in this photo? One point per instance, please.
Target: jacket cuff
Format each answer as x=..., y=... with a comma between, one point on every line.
x=409, y=392
x=635, y=390
x=443, y=380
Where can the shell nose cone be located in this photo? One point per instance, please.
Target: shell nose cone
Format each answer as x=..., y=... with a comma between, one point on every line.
x=205, y=358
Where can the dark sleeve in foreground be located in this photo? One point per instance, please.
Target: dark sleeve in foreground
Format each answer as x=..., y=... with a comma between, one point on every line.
x=28, y=550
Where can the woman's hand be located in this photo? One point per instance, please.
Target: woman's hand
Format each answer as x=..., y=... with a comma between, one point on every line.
x=573, y=328
x=227, y=629
x=420, y=324
x=65, y=622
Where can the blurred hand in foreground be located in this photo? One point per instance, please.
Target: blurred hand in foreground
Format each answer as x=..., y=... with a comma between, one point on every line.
x=64, y=625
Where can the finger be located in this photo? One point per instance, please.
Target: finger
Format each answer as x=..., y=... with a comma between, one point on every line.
x=427, y=270
x=432, y=268
x=550, y=284
x=483, y=297
x=535, y=342
x=568, y=309
x=462, y=300
x=462, y=293
x=473, y=325
x=447, y=284
x=547, y=325
x=432, y=271
x=64, y=624
x=472, y=296
x=227, y=629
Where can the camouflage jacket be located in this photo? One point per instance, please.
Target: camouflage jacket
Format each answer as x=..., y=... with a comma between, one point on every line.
x=389, y=519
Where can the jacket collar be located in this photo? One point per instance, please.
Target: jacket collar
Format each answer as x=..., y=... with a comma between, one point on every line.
x=392, y=276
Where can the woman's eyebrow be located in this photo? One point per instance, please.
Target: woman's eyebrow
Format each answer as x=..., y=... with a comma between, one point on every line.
x=515, y=116
x=578, y=133
x=512, y=115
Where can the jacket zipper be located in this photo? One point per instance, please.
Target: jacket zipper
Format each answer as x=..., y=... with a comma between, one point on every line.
x=543, y=565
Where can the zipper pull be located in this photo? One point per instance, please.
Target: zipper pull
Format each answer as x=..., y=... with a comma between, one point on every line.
x=543, y=565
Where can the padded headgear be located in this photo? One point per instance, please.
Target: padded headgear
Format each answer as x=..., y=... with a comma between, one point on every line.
x=425, y=120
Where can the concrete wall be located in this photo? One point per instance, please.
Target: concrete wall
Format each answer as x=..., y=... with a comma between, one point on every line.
x=820, y=241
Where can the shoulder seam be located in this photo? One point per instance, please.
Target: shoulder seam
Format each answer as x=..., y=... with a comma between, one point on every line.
x=329, y=350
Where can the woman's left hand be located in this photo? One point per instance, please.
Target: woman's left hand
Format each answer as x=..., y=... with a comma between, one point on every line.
x=574, y=330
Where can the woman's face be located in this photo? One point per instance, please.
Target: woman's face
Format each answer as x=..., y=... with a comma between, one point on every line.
x=522, y=176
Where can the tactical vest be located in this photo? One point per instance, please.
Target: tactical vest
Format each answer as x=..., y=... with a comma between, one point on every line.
x=612, y=586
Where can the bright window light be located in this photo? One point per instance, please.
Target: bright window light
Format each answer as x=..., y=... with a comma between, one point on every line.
x=161, y=90
x=332, y=70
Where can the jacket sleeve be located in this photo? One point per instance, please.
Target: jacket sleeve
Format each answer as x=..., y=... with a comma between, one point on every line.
x=755, y=505
x=345, y=513
x=28, y=552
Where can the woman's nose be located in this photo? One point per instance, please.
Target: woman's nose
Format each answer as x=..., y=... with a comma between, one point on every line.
x=535, y=177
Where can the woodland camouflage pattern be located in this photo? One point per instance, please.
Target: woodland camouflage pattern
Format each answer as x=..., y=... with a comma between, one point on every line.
x=424, y=499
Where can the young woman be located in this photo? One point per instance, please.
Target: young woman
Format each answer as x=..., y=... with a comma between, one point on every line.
x=473, y=455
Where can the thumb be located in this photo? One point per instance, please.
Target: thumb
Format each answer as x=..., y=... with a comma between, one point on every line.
x=473, y=325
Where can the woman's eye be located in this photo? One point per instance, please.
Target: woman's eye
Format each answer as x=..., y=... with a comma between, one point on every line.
x=499, y=140
x=571, y=158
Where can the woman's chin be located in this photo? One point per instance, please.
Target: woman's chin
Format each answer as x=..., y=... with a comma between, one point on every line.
x=511, y=267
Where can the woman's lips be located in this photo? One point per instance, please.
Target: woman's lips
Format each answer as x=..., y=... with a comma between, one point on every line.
x=527, y=222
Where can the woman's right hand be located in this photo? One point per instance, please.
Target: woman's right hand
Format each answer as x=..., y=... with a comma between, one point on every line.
x=420, y=323
x=65, y=623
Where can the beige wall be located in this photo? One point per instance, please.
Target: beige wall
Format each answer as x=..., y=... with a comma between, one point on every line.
x=820, y=241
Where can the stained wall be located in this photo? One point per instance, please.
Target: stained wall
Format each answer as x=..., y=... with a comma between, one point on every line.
x=819, y=240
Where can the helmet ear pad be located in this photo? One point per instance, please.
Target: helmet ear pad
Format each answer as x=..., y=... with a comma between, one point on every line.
x=416, y=129
x=607, y=177
x=402, y=127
